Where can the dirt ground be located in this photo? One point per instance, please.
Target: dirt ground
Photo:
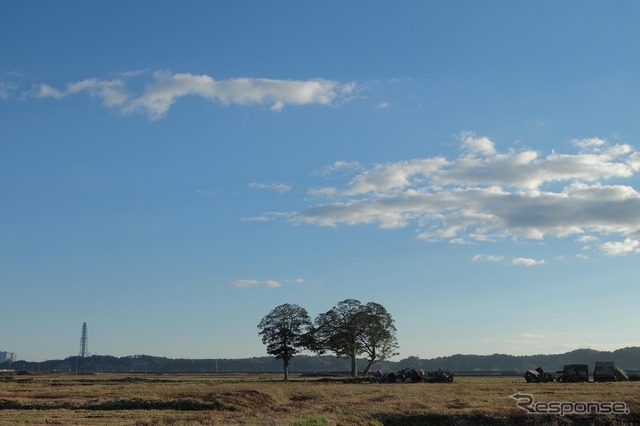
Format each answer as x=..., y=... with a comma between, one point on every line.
x=145, y=400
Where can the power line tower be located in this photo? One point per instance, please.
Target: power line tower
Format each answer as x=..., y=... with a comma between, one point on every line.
x=83, y=341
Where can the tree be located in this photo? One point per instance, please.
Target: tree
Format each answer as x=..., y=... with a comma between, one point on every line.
x=285, y=331
x=378, y=339
x=338, y=331
x=350, y=329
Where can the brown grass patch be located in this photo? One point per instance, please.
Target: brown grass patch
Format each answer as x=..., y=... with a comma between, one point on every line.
x=267, y=400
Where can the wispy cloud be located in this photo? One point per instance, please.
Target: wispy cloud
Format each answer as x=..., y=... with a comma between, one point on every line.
x=7, y=89
x=111, y=92
x=166, y=88
x=339, y=168
x=523, y=261
x=256, y=283
x=10, y=85
x=275, y=186
x=266, y=217
x=326, y=192
x=255, y=219
x=206, y=192
x=266, y=283
x=487, y=258
x=537, y=335
x=486, y=195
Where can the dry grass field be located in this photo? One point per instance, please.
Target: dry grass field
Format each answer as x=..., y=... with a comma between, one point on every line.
x=110, y=399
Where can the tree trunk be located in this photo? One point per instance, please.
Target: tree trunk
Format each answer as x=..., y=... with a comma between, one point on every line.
x=366, y=370
x=285, y=366
x=354, y=364
x=372, y=358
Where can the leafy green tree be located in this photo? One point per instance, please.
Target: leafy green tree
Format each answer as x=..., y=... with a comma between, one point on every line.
x=378, y=338
x=338, y=330
x=350, y=329
x=285, y=331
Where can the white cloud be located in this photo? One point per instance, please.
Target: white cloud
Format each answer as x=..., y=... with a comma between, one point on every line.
x=162, y=93
x=383, y=105
x=256, y=283
x=618, y=248
x=338, y=168
x=491, y=212
x=486, y=195
x=386, y=177
x=458, y=241
x=111, y=92
x=166, y=88
x=528, y=262
x=475, y=145
x=46, y=91
x=480, y=164
x=446, y=233
x=326, y=192
x=487, y=258
x=589, y=143
x=266, y=217
x=275, y=186
x=6, y=89
x=633, y=161
x=266, y=283
x=586, y=239
x=255, y=219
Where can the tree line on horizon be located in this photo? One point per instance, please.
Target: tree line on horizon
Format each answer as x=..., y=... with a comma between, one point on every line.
x=627, y=358
x=349, y=329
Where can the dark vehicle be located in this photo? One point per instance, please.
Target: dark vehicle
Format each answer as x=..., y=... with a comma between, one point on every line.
x=574, y=373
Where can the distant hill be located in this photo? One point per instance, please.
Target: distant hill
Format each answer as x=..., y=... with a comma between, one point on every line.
x=627, y=358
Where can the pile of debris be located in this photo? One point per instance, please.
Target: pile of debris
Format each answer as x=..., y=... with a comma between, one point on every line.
x=574, y=373
x=571, y=373
x=6, y=375
x=539, y=376
x=608, y=372
x=411, y=375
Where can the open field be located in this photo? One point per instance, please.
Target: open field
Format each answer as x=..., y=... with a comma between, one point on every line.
x=114, y=399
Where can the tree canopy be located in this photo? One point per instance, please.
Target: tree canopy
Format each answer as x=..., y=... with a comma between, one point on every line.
x=338, y=330
x=350, y=329
x=378, y=339
x=285, y=331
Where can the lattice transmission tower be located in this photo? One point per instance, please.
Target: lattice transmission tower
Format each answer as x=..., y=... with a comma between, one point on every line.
x=84, y=339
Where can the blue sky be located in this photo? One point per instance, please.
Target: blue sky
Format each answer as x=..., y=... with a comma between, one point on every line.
x=172, y=171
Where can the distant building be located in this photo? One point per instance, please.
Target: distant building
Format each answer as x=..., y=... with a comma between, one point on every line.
x=8, y=356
